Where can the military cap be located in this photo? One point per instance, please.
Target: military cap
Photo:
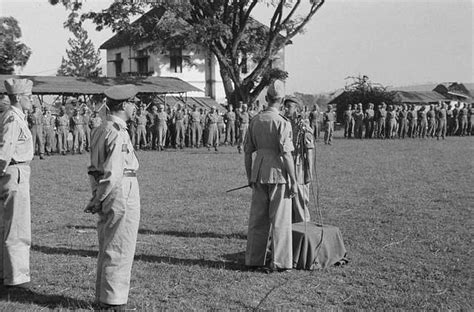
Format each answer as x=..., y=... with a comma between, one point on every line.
x=276, y=90
x=329, y=106
x=121, y=92
x=18, y=86
x=291, y=100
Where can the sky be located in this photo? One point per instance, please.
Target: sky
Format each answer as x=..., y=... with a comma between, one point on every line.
x=394, y=42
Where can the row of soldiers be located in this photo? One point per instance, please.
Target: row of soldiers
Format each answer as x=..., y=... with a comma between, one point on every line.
x=178, y=127
x=390, y=121
x=51, y=132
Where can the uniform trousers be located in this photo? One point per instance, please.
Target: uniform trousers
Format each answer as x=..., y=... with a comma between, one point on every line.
x=230, y=132
x=87, y=137
x=270, y=220
x=179, y=133
x=37, y=133
x=15, y=225
x=49, y=139
x=195, y=134
x=431, y=128
x=140, y=136
x=381, y=128
x=213, y=135
x=348, y=128
x=78, y=139
x=161, y=131
x=315, y=127
x=117, y=232
x=242, y=133
x=62, y=139
x=329, y=130
x=441, y=128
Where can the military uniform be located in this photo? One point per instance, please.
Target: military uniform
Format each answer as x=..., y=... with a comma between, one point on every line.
x=35, y=119
x=314, y=119
x=115, y=190
x=431, y=118
x=48, y=128
x=244, y=120
x=180, y=129
x=16, y=151
x=358, y=116
x=77, y=125
x=195, y=128
x=442, y=120
x=348, y=122
x=230, y=127
x=87, y=131
x=62, y=124
x=212, y=130
x=369, y=122
x=269, y=136
x=328, y=118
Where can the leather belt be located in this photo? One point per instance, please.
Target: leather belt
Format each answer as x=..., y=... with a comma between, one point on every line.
x=126, y=173
x=129, y=173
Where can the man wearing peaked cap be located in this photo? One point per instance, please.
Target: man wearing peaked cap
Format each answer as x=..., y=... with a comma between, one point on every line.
x=115, y=198
x=16, y=151
x=272, y=178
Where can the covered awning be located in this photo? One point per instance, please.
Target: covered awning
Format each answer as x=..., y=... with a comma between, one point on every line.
x=60, y=85
x=419, y=97
x=190, y=102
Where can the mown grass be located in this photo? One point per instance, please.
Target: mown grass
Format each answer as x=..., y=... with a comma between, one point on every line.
x=404, y=207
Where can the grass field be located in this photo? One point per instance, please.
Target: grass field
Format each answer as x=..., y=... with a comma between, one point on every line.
x=404, y=207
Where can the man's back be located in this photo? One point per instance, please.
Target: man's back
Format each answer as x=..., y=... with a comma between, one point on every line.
x=270, y=136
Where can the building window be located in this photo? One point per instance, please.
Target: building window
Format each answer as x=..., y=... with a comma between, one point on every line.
x=176, y=60
x=142, y=61
x=118, y=64
x=244, y=63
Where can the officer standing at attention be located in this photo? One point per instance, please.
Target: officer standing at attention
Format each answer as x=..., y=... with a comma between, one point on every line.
x=115, y=197
x=62, y=124
x=48, y=128
x=229, y=119
x=244, y=120
x=16, y=151
x=273, y=182
x=35, y=118
x=329, y=117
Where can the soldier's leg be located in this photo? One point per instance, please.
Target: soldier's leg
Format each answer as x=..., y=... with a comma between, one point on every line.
x=258, y=226
x=117, y=230
x=15, y=225
x=281, y=236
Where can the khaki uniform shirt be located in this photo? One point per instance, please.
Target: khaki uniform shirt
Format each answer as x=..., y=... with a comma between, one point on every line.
x=111, y=153
x=269, y=135
x=16, y=141
x=62, y=121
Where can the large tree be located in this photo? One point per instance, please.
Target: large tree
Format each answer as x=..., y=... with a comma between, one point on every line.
x=82, y=59
x=12, y=52
x=223, y=27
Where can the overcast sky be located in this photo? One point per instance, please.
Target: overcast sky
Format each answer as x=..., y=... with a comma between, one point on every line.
x=394, y=42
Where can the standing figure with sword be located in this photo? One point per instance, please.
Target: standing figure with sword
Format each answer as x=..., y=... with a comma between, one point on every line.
x=272, y=178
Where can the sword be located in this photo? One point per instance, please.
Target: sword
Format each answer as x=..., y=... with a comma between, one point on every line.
x=238, y=188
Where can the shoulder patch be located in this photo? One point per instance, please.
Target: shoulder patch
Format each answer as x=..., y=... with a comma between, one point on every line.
x=9, y=119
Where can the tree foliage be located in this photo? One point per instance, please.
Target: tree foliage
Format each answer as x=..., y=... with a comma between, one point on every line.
x=82, y=59
x=223, y=27
x=12, y=52
x=361, y=90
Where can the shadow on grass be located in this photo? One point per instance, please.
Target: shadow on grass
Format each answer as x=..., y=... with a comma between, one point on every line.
x=51, y=301
x=232, y=262
x=173, y=233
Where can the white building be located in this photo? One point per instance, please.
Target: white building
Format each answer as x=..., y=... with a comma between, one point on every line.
x=200, y=69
